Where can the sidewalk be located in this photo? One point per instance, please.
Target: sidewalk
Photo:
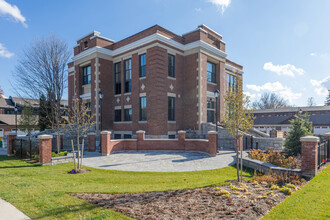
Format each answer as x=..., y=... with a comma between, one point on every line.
x=10, y=212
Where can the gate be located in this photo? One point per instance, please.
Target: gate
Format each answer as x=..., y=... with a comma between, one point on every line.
x=323, y=153
x=247, y=142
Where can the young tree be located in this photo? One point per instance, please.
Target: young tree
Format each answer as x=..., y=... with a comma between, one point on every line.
x=41, y=70
x=28, y=120
x=237, y=118
x=311, y=101
x=79, y=123
x=300, y=126
x=270, y=101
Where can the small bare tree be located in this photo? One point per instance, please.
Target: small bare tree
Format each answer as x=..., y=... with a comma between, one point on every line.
x=79, y=123
x=28, y=120
x=41, y=70
x=270, y=101
x=237, y=118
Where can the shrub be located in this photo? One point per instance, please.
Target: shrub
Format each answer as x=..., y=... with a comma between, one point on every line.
x=286, y=190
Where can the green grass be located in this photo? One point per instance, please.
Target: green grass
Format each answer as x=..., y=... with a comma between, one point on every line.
x=41, y=191
x=311, y=202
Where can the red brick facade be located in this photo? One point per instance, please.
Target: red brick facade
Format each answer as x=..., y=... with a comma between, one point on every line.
x=189, y=87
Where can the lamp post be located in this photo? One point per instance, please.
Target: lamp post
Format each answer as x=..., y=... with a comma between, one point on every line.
x=101, y=97
x=16, y=117
x=216, y=94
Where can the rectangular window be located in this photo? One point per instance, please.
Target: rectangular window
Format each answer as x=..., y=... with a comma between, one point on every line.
x=117, y=115
x=143, y=108
x=128, y=114
x=171, y=136
x=231, y=82
x=117, y=78
x=128, y=75
x=143, y=64
x=88, y=106
x=210, y=110
x=211, y=72
x=127, y=136
x=171, y=108
x=171, y=65
x=86, y=75
x=117, y=136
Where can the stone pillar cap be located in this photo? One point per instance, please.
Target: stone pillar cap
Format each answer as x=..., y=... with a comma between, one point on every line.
x=181, y=132
x=212, y=132
x=91, y=133
x=310, y=139
x=327, y=134
x=105, y=132
x=140, y=131
x=45, y=136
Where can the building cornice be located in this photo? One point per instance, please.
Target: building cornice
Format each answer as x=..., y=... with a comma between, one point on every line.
x=148, y=39
x=234, y=69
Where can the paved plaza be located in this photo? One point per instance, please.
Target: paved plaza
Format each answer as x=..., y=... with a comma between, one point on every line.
x=160, y=161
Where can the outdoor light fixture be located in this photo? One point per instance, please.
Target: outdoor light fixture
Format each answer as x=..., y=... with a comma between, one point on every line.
x=100, y=95
x=216, y=94
x=300, y=111
x=15, y=109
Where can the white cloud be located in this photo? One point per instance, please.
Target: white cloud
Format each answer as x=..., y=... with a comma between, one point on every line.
x=322, y=86
x=198, y=9
x=287, y=70
x=276, y=87
x=13, y=11
x=251, y=95
x=221, y=4
x=4, y=52
x=312, y=54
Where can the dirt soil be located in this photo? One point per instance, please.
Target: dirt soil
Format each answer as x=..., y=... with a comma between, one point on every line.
x=203, y=203
x=79, y=171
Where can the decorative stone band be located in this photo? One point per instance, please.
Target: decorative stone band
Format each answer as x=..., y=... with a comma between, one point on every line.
x=105, y=132
x=309, y=139
x=45, y=136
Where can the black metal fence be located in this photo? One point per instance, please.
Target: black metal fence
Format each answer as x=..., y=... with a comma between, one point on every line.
x=26, y=148
x=323, y=153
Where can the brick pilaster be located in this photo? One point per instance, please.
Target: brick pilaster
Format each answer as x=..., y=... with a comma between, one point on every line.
x=105, y=142
x=309, y=153
x=91, y=142
x=45, y=149
x=140, y=136
x=212, y=142
x=10, y=139
x=181, y=137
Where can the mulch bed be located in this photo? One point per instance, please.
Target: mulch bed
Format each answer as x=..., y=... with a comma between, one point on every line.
x=202, y=203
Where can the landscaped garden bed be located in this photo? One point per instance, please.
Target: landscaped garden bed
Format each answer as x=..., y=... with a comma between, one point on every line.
x=248, y=200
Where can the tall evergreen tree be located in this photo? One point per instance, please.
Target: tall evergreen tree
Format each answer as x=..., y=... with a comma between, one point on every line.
x=44, y=112
x=327, y=99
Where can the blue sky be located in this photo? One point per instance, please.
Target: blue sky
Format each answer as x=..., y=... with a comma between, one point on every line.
x=284, y=45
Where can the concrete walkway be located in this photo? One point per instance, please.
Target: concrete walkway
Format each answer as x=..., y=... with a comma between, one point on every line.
x=159, y=161
x=10, y=212
x=3, y=151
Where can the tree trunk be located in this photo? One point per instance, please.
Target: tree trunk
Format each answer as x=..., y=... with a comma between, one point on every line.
x=237, y=160
x=74, y=156
x=78, y=148
x=241, y=148
x=58, y=140
x=82, y=153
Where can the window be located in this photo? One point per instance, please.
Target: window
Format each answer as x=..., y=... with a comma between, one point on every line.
x=171, y=108
x=128, y=75
x=117, y=136
x=128, y=114
x=86, y=75
x=171, y=65
x=117, y=78
x=143, y=108
x=210, y=110
x=118, y=115
x=86, y=44
x=232, y=82
x=171, y=136
x=143, y=64
x=88, y=106
x=127, y=136
x=211, y=72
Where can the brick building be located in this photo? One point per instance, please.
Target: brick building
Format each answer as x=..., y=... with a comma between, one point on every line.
x=154, y=80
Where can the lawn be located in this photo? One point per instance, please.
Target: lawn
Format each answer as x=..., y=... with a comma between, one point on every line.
x=311, y=202
x=41, y=191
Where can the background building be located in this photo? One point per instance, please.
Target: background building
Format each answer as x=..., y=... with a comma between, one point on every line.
x=154, y=80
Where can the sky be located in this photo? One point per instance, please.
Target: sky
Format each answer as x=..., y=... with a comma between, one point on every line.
x=283, y=45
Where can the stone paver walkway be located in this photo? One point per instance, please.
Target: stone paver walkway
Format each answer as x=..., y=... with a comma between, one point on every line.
x=10, y=212
x=160, y=161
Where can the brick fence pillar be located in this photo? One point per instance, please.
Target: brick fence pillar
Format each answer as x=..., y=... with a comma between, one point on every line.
x=182, y=137
x=212, y=142
x=45, y=149
x=91, y=142
x=309, y=154
x=140, y=136
x=11, y=136
x=105, y=142
x=327, y=137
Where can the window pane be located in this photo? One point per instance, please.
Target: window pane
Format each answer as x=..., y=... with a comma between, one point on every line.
x=211, y=72
x=86, y=75
x=128, y=114
x=117, y=78
x=127, y=76
x=143, y=108
x=117, y=115
x=171, y=108
x=142, y=65
x=171, y=65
